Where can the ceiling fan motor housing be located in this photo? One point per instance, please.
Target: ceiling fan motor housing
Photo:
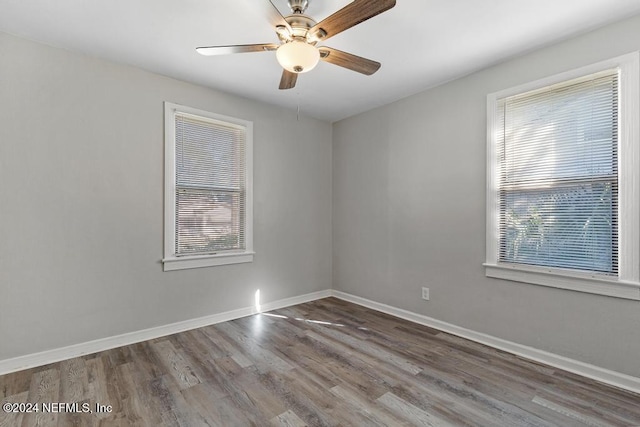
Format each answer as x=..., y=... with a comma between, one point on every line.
x=300, y=25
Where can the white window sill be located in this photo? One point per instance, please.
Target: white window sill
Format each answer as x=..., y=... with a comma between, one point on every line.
x=557, y=278
x=198, y=261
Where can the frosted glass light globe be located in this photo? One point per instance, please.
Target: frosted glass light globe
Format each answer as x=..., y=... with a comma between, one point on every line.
x=298, y=56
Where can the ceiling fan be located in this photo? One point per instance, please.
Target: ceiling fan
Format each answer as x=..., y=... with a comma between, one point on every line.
x=299, y=34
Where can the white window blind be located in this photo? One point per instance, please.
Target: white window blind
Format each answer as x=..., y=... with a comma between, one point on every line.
x=210, y=208
x=558, y=176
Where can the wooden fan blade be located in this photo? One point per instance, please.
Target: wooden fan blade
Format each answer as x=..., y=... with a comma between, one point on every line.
x=238, y=48
x=288, y=79
x=348, y=60
x=272, y=12
x=352, y=14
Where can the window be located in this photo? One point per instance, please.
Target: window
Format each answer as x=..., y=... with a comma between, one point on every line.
x=563, y=175
x=208, y=197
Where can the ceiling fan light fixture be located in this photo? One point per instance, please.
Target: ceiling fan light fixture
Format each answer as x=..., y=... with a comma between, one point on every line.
x=298, y=56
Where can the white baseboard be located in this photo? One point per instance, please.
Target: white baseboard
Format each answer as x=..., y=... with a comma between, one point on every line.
x=597, y=373
x=58, y=354
x=590, y=371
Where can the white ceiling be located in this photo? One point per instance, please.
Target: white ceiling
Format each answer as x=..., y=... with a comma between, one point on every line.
x=420, y=43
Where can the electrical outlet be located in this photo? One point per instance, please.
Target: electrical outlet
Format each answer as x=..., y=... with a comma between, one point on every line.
x=425, y=293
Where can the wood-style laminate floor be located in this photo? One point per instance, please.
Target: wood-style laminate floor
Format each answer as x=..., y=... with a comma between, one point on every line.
x=324, y=363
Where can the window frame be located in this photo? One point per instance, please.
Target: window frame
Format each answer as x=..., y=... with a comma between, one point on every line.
x=627, y=283
x=171, y=261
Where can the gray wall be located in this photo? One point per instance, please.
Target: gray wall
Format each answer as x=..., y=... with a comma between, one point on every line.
x=409, y=211
x=81, y=202
x=81, y=198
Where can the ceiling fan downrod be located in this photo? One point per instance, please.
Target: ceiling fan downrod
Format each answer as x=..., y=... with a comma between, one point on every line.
x=298, y=6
